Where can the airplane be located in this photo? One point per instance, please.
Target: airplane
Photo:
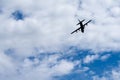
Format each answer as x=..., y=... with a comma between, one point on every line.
x=82, y=26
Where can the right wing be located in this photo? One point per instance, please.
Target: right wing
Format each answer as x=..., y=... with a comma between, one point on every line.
x=87, y=22
x=75, y=30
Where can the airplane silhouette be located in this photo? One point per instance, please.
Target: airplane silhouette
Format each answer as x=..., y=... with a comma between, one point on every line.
x=82, y=26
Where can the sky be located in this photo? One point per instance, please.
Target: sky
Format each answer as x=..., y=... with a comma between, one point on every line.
x=36, y=44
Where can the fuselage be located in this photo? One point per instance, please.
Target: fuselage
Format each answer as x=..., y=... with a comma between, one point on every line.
x=82, y=27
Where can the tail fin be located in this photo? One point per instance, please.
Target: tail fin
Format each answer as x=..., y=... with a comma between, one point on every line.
x=80, y=21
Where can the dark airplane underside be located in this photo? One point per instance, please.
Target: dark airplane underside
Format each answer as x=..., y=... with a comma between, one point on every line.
x=82, y=26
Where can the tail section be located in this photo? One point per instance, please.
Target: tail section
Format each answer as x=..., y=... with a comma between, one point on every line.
x=80, y=21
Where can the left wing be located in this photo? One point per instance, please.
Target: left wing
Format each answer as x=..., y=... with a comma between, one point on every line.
x=75, y=30
x=87, y=22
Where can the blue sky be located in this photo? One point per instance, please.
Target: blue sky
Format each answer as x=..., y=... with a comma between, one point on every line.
x=36, y=44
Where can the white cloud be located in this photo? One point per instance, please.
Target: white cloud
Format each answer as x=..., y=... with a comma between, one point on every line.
x=90, y=58
x=43, y=27
x=104, y=57
x=28, y=69
x=64, y=67
x=6, y=64
x=116, y=74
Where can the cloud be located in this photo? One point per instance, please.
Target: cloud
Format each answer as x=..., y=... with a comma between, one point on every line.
x=43, y=23
x=90, y=58
x=64, y=67
x=41, y=31
x=104, y=57
x=30, y=69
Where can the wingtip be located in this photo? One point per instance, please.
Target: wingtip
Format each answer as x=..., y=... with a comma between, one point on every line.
x=83, y=19
x=71, y=33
